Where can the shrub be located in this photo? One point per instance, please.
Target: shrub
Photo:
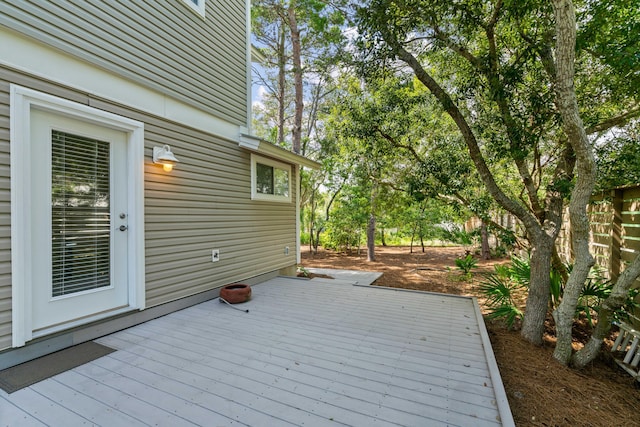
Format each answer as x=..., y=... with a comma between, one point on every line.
x=499, y=289
x=466, y=264
x=304, y=238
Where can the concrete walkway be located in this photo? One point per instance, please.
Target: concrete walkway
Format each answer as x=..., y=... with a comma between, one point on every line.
x=356, y=277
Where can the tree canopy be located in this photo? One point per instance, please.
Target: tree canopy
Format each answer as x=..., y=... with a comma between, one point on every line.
x=479, y=105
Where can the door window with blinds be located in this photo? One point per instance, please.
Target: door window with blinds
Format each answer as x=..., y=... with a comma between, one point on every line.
x=77, y=215
x=80, y=213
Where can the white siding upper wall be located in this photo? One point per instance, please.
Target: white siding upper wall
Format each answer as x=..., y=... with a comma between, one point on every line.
x=162, y=45
x=204, y=204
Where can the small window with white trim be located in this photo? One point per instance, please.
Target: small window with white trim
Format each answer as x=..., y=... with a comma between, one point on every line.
x=270, y=180
x=197, y=5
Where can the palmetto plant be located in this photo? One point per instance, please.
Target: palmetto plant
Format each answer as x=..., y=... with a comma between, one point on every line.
x=519, y=270
x=593, y=293
x=466, y=264
x=596, y=290
x=500, y=287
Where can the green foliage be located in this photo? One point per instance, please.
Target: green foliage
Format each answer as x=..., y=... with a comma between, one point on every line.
x=631, y=306
x=508, y=312
x=520, y=270
x=348, y=220
x=506, y=240
x=342, y=233
x=458, y=236
x=610, y=32
x=492, y=67
x=304, y=238
x=556, y=288
x=618, y=161
x=466, y=264
x=596, y=290
x=302, y=271
x=500, y=251
x=502, y=287
x=499, y=289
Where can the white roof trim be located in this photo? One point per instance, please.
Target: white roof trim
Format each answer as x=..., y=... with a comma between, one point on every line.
x=257, y=55
x=253, y=143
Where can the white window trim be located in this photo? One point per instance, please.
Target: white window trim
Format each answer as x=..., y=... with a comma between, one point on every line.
x=22, y=101
x=199, y=7
x=273, y=163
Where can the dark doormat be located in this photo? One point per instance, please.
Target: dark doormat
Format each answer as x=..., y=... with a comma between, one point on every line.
x=28, y=373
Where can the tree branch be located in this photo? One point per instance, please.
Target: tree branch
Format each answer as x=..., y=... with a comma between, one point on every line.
x=467, y=134
x=460, y=50
x=495, y=15
x=614, y=121
x=487, y=220
x=513, y=129
x=395, y=143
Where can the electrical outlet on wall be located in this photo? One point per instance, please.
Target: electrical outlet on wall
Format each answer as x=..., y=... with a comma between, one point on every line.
x=286, y=250
x=215, y=255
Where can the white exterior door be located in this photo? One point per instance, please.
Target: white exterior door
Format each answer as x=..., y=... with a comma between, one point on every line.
x=79, y=220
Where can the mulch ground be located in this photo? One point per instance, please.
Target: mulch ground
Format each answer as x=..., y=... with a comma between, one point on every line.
x=541, y=392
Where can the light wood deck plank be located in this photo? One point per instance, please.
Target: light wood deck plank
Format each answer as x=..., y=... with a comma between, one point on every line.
x=88, y=407
x=243, y=386
x=285, y=360
x=181, y=397
x=378, y=341
x=13, y=414
x=309, y=353
x=367, y=401
x=37, y=406
x=327, y=349
x=141, y=401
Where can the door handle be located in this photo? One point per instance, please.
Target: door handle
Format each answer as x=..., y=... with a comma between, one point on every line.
x=123, y=228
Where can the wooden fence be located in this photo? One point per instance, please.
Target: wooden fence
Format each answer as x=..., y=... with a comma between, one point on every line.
x=615, y=230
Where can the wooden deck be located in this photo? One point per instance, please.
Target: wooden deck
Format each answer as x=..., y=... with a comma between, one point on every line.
x=309, y=353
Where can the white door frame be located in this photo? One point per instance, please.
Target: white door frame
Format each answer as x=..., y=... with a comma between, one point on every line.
x=23, y=101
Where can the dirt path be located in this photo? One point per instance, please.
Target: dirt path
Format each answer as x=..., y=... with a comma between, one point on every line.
x=540, y=392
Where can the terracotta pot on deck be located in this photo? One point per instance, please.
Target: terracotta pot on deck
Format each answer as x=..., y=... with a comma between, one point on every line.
x=236, y=293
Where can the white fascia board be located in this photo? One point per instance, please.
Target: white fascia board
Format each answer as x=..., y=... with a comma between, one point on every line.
x=257, y=56
x=28, y=55
x=266, y=148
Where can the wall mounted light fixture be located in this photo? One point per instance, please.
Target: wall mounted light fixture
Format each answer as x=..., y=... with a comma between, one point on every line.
x=163, y=156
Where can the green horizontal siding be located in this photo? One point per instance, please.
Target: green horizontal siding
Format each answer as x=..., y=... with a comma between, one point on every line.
x=161, y=45
x=203, y=204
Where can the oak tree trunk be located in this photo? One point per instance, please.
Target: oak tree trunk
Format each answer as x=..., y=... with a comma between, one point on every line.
x=616, y=299
x=585, y=173
x=371, y=227
x=539, y=282
x=485, y=253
